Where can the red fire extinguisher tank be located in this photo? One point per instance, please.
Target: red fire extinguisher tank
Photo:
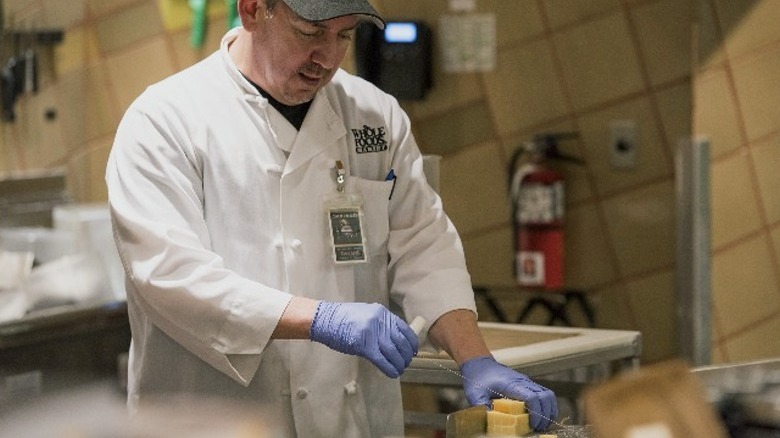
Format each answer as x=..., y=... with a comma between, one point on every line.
x=539, y=225
x=537, y=193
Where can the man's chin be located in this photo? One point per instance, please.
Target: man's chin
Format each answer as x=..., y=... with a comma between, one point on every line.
x=301, y=97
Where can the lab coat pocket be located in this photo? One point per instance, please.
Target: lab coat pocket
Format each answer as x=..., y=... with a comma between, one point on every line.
x=376, y=199
x=371, y=283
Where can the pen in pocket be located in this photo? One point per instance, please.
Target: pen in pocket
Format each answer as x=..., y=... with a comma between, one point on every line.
x=391, y=177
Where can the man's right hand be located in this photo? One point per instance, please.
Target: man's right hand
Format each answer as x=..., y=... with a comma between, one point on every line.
x=367, y=330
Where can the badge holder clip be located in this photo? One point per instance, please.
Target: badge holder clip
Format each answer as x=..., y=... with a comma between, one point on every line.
x=344, y=211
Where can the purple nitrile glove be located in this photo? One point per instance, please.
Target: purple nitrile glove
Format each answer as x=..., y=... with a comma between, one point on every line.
x=484, y=379
x=367, y=330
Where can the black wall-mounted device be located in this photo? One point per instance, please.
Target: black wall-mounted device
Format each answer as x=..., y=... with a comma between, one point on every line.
x=397, y=59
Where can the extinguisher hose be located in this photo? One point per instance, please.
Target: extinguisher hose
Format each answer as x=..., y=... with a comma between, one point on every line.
x=512, y=165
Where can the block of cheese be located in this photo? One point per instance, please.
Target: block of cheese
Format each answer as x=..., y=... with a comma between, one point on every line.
x=523, y=425
x=509, y=406
x=548, y=436
x=503, y=424
x=500, y=424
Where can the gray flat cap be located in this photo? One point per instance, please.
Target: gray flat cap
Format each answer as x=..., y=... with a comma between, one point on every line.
x=320, y=10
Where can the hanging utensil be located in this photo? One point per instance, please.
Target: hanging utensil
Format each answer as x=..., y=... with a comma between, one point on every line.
x=198, y=33
x=233, y=20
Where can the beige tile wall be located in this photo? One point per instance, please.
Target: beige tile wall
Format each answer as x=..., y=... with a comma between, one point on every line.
x=562, y=65
x=736, y=101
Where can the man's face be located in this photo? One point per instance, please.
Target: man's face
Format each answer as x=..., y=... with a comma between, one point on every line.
x=298, y=57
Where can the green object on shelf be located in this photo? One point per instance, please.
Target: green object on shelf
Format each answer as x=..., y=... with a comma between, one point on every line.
x=198, y=22
x=232, y=14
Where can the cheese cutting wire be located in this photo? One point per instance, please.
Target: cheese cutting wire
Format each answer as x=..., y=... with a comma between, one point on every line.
x=570, y=431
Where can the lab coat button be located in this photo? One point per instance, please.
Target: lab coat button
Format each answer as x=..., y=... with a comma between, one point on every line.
x=278, y=243
x=296, y=244
x=351, y=388
x=302, y=393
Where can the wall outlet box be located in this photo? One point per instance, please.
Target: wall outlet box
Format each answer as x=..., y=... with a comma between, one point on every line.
x=623, y=144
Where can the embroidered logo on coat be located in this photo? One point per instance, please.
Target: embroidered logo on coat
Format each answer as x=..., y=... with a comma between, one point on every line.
x=369, y=139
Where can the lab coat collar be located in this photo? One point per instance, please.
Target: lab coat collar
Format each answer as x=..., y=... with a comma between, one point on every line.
x=321, y=128
x=245, y=86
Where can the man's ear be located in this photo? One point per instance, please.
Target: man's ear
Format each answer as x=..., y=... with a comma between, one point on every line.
x=250, y=12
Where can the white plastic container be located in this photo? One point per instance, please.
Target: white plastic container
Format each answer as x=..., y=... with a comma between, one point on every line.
x=91, y=224
x=47, y=244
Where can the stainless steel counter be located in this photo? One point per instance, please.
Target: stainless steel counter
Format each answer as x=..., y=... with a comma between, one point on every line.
x=62, y=347
x=62, y=321
x=747, y=395
x=536, y=351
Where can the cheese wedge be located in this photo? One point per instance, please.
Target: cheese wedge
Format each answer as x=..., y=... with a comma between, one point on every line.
x=523, y=425
x=502, y=424
x=509, y=406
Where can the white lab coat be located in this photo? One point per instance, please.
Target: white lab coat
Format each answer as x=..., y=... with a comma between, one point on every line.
x=218, y=229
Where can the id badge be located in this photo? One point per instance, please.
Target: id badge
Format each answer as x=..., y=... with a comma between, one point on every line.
x=345, y=221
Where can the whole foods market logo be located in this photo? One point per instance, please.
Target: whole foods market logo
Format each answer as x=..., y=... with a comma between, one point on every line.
x=369, y=139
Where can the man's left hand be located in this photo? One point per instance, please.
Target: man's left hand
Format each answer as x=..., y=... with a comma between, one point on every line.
x=485, y=379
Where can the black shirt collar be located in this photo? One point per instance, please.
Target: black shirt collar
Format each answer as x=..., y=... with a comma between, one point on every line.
x=294, y=114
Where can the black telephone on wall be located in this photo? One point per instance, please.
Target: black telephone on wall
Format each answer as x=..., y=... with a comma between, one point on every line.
x=397, y=59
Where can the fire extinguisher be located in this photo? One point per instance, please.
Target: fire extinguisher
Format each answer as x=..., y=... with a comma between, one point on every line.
x=537, y=200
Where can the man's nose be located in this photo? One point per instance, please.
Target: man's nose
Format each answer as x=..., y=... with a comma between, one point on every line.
x=329, y=53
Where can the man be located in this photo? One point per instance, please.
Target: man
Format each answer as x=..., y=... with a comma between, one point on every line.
x=229, y=185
